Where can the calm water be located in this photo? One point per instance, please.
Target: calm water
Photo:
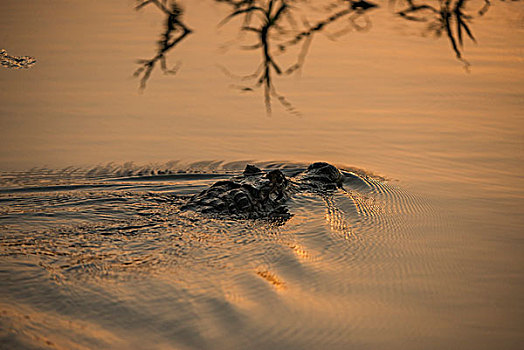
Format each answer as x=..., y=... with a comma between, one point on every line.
x=96, y=253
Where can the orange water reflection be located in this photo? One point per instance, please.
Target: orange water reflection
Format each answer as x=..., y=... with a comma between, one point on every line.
x=384, y=99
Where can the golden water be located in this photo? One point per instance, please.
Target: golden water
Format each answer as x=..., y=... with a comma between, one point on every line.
x=99, y=256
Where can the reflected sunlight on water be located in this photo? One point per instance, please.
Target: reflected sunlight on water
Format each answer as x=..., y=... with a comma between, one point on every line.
x=422, y=248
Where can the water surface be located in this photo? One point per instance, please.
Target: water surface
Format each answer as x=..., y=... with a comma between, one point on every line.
x=97, y=254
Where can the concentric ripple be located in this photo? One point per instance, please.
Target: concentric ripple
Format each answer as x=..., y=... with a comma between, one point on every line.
x=108, y=248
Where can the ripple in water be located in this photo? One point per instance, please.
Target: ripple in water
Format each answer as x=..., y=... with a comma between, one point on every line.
x=109, y=251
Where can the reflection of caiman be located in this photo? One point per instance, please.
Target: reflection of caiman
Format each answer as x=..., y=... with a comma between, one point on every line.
x=258, y=194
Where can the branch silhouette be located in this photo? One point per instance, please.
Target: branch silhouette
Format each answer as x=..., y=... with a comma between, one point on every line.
x=275, y=24
x=175, y=32
x=448, y=17
x=277, y=28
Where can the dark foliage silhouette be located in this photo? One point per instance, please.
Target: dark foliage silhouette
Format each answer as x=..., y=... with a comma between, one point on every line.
x=175, y=32
x=287, y=27
x=447, y=16
x=275, y=23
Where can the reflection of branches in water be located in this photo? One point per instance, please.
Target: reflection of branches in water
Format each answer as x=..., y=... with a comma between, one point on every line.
x=283, y=26
x=274, y=21
x=175, y=32
x=270, y=18
x=448, y=16
x=241, y=5
x=354, y=11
